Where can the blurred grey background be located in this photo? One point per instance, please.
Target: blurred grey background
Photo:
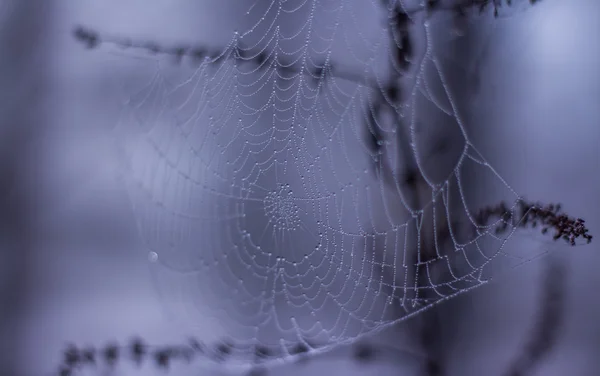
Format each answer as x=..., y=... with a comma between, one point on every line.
x=73, y=267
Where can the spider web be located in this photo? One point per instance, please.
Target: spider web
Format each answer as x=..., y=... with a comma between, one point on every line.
x=268, y=212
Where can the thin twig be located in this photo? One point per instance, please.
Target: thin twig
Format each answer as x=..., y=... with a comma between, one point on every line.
x=93, y=39
x=547, y=217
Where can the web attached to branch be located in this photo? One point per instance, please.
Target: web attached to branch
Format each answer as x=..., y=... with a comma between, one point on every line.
x=300, y=186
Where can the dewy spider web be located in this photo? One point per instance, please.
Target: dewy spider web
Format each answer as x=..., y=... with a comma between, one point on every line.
x=251, y=179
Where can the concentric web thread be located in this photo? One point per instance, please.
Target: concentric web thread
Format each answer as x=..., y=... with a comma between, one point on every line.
x=252, y=181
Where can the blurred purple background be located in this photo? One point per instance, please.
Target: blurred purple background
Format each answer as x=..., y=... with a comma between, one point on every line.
x=73, y=267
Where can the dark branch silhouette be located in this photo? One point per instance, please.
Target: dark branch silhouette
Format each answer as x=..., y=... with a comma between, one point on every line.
x=529, y=214
x=399, y=20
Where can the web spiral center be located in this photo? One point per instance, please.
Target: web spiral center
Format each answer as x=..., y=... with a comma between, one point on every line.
x=281, y=209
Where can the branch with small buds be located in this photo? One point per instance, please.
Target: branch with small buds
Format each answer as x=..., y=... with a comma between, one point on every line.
x=75, y=358
x=548, y=217
x=137, y=351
